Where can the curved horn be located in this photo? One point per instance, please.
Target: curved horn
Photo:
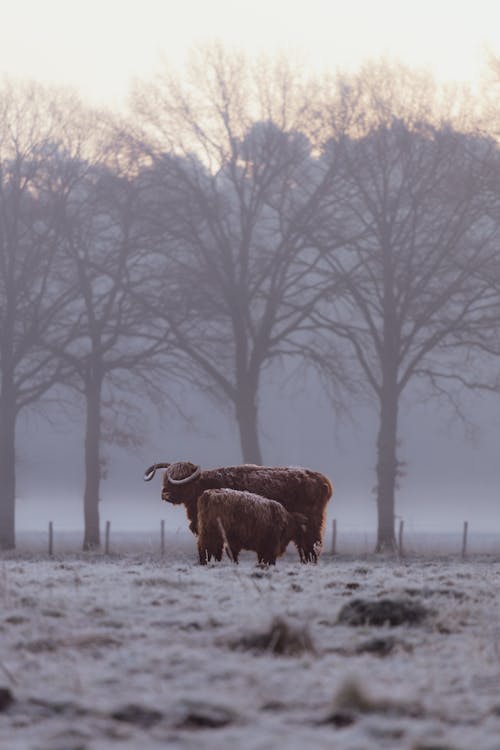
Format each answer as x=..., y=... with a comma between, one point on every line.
x=190, y=478
x=150, y=472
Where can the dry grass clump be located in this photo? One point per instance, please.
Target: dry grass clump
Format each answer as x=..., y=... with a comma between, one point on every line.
x=281, y=639
x=352, y=700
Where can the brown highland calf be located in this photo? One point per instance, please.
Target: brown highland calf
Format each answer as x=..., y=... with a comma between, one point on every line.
x=298, y=490
x=244, y=520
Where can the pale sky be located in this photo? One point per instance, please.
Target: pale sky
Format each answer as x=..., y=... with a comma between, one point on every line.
x=99, y=46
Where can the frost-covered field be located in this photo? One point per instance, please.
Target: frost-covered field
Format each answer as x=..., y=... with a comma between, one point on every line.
x=137, y=651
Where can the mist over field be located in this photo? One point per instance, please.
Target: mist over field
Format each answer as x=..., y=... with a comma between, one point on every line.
x=451, y=476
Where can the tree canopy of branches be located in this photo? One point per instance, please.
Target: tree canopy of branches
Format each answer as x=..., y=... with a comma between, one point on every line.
x=236, y=182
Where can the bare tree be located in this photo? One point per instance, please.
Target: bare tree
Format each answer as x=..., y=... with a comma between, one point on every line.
x=107, y=346
x=31, y=297
x=416, y=241
x=236, y=181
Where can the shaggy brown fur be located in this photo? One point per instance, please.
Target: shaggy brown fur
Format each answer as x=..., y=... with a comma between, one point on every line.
x=244, y=521
x=298, y=490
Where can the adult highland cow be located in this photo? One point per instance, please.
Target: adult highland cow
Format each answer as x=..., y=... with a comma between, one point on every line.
x=298, y=490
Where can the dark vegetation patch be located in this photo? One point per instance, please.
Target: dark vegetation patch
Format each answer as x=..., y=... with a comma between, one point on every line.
x=157, y=581
x=6, y=698
x=40, y=645
x=199, y=715
x=140, y=716
x=348, y=587
x=190, y=625
x=28, y=601
x=387, y=733
x=44, y=709
x=274, y=705
x=63, y=744
x=262, y=571
x=280, y=638
x=382, y=646
x=340, y=719
x=68, y=739
x=115, y=624
x=90, y=641
x=382, y=612
x=432, y=746
x=186, y=625
x=53, y=613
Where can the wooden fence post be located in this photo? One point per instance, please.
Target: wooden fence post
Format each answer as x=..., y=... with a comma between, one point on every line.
x=334, y=537
x=106, y=538
x=464, y=540
x=51, y=539
x=400, y=538
x=162, y=538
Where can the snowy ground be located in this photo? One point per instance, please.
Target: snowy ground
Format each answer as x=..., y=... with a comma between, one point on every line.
x=137, y=651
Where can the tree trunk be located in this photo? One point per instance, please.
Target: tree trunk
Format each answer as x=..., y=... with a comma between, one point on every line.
x=7, y=468
x=247, y=416
x=92, y=537
x=387, y=466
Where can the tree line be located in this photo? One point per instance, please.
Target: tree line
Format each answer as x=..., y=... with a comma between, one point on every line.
x=238, y=215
